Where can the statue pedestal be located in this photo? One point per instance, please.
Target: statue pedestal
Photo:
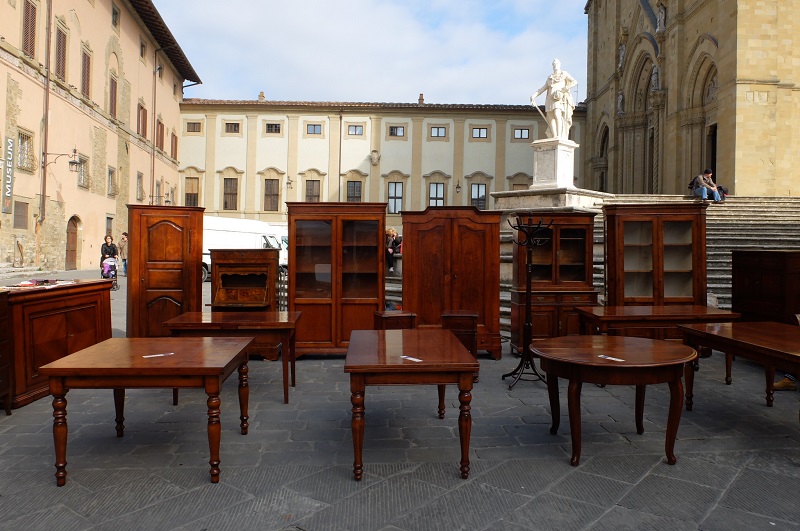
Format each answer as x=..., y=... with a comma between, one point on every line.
x=553, y=163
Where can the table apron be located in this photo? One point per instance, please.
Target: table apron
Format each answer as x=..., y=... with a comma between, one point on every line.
x=744, y=350
x=613, y=375
x=138, y=382
x=416, y=378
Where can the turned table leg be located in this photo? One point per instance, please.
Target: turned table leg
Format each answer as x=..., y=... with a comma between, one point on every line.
x=464, y=421
x=357, y=386
x=244, y=396
x=60, y=428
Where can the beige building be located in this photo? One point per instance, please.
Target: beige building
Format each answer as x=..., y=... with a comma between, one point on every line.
x=91, y=123
x=675, y=86
x=248, y=158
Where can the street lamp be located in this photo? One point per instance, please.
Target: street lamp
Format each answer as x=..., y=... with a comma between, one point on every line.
x=74, y=162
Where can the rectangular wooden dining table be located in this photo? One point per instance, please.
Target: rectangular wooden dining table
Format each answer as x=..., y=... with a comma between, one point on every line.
x=125, y=363
x=268, y=328
x=420, y=356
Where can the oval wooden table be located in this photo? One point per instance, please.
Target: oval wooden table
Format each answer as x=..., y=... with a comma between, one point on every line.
x=613, y=360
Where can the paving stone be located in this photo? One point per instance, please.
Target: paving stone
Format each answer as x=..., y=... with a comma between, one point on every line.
x=732, y=519
x=766, y=494
x=671, y=497
x=589, y=488
x=624, y=519
x=548, y=511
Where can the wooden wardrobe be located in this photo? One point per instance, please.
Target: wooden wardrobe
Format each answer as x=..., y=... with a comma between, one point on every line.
x=451, y=262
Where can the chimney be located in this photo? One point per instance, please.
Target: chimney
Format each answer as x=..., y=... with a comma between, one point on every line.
x=421, y=100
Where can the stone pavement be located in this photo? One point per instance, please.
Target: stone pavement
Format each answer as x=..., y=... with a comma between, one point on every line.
x=738, y=461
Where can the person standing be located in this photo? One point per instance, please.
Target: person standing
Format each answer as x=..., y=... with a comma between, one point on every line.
x=123, y=253
x=392, y=247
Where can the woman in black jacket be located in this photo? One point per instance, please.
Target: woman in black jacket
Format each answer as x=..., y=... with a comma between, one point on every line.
x=108, y=250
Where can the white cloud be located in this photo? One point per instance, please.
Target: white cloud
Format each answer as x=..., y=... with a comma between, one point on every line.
x=453, y=51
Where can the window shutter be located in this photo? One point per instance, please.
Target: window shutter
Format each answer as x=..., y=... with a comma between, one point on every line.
x=61, y=54
x=29, y=29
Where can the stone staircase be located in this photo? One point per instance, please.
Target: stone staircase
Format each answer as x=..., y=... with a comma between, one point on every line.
x=738, y=223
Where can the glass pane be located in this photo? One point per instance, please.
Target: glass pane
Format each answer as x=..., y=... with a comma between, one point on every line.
x=313, y=259
x=361, y=245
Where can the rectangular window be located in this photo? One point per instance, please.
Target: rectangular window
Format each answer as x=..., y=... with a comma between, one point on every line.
x=274, y=129
x=158, y=194
x=438, y=132
x=112, y=97
x=436, y=194
x=112, y=182
x=86, y=71
x=397, y=130
x=61, y=54
x=142, y=48
x=478, y=199
x=395, y=198
x=83, y=172
x=26, y=158
x=109, y=226
x=312, y=191
x=355, y=130
x=141, y=121
x=313, y=129
x=114, y=16
x=191, y=191
x=20, y=215
x=160, y=135
x=232, y=128
x=230, y=199
x=480, y=132
x=353, y=191
x=522, y=134
x=271, y=191
x=29, y=29
x=139, y=186
x=173, y=146
x=193, y=127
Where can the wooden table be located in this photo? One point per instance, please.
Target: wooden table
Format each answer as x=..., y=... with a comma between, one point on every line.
x=121, y=363
x=612, y=319
x=768, y=343
x=426, y=356
x=267, y=328
x=613, y=360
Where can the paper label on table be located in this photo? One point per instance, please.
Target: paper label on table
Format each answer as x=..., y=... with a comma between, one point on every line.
x=609, y=358
x=409, y=358
x=158, y=355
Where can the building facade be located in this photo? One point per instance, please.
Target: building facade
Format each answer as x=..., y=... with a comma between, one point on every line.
x=91, y=122
x=248, y=158
x=675, y=86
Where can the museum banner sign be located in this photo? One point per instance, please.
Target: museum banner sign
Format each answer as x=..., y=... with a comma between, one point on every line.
x=7, y=166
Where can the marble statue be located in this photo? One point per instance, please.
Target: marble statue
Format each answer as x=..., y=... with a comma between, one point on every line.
x=654, y=79
x=620, y=102
x=621, y=55
x=558, y=101
x=661, y=18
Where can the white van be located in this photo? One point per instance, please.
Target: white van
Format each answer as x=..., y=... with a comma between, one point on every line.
x=237, y=233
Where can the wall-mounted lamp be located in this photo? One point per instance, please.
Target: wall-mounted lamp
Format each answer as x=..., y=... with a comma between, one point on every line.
x=74, y=162
x=458, y=187
x=289, y=183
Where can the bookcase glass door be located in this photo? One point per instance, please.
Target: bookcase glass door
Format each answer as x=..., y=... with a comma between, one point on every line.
x=572, y=255
x=313, y=253
x=361, y=241
x=542, y=269
x=638, y=258
x=678, y=259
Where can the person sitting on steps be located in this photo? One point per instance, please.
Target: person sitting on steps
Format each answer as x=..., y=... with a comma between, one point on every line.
x=704, y=185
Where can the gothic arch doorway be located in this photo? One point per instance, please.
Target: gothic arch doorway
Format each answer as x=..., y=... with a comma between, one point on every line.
x=72, y=244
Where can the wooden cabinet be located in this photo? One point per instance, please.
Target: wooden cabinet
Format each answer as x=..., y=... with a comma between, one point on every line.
x=451, y=262
x=244, y=279
x=561, y=274
x=164, y=266
x=336, y=271
x=765, y=284
x=655, y=254
x=49, y=322
x=5, y=353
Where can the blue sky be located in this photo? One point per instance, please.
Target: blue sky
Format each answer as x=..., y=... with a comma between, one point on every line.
x=453, y=51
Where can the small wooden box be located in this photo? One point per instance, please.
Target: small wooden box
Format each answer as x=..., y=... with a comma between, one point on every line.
x=394, y=320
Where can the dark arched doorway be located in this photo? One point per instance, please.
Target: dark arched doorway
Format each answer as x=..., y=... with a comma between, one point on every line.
x=72, y=244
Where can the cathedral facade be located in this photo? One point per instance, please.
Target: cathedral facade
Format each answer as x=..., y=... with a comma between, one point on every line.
x=676, y=86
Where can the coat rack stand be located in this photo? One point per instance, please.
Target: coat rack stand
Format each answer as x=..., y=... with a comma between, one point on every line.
x=530, y=237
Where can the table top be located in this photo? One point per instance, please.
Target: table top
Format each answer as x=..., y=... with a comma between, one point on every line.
x=780, y=338
x=233, y=320
x=658, y=312
x=613, y=351
x=151, y=356
x=419, y=349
